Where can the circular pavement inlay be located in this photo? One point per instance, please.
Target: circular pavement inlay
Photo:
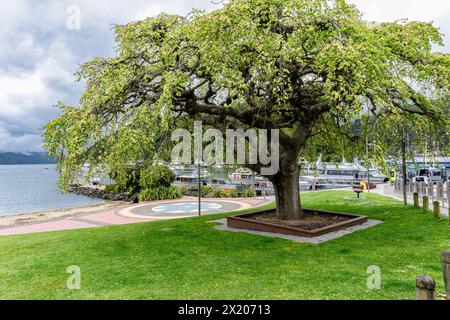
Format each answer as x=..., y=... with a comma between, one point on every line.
x=186, y=207
x=170, y=210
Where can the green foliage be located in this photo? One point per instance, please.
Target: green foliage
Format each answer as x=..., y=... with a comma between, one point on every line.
x=235, y=193
x=249, y=193
x=128, y=180
x=140, y=178
x=160, y=193
x=207, y=191
x=219, y=193
x=318, y=63
x=183, y=190
x=111, y=188
x=156, y=176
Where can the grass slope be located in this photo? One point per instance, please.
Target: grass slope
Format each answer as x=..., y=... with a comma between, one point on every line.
x=189, y=259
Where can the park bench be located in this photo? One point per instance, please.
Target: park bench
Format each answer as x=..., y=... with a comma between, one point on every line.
x=358, y=190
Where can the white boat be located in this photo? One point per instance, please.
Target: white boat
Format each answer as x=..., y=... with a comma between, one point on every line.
x=343, y=174
x=243, y=176
x=186, y=180
x=307, y=182
x=246, y=177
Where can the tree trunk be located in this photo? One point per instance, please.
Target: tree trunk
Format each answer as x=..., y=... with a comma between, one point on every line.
x=287, y=193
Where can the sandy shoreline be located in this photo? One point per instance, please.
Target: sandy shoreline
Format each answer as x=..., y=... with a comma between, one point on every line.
x=20, y=219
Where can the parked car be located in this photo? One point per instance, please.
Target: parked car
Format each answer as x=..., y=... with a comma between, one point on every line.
x=421, y=179
x=433, y=174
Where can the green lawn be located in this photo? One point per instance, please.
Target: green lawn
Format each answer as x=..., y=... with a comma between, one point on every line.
x=189, y=259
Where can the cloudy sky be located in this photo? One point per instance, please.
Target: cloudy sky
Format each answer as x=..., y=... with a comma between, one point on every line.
x=42, y=42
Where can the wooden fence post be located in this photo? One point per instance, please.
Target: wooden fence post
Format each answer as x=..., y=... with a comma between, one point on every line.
x=416, y=199
x=448, y=196
x=425, y=205
x=437, y=209
x=448, y=214
x=445, y=262
x=425, y=288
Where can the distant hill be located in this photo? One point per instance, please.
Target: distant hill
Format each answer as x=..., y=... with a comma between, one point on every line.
x=28, y=158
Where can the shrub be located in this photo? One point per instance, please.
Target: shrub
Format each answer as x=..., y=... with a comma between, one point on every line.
x=249, y=193
x=207, y=191
x=219, y=193
x=235, y=193
x=161, y=193
x=156, y=176
x=128, y=183
x=111, y=188
x=183, y=190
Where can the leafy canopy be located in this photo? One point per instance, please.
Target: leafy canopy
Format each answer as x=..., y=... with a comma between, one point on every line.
x=308, y=67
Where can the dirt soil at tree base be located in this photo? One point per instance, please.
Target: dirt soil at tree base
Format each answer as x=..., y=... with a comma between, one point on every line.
x=312, y=221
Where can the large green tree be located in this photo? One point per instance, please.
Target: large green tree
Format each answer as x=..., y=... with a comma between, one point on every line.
x=310, y=68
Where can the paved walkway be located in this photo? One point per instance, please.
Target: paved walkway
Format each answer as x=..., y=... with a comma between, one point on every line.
x=124, y=215
x=145, y=212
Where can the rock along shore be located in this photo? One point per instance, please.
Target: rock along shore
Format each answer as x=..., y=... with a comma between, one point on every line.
x=100, y=194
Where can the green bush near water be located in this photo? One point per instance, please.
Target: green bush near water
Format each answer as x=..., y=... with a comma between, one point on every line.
x=161, y=193
x=156, y=176
x=150, y=182
x=111, y=188
x=126, y=184
x=155, y=183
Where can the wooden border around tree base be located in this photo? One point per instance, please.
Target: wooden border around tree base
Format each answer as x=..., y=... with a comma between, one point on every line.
x=242, y=222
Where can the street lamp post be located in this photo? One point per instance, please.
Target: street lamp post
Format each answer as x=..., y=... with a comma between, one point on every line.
x=404, y=170
x=367, y=150
x=199, y=189
x=367, y=164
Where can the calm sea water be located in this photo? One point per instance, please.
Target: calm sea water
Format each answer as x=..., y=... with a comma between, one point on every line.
x=32, y=188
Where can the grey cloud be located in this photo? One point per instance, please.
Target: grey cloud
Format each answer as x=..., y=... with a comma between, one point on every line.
x=21, y=143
